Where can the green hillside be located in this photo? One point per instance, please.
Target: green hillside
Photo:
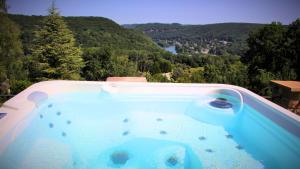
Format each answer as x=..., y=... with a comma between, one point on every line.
x=90, y=32
x=196, y=37
x=221, y=31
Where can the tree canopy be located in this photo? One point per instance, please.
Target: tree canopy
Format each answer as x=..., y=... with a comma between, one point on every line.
x=12, y=71
x=273, y=54
x=54, y=51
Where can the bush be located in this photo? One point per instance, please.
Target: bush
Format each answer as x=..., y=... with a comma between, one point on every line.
x=19, y=85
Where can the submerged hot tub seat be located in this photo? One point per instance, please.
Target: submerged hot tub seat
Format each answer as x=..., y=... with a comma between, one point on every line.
x=108, y=125
x=220, y=107
x=221, y=103
x=156, y=153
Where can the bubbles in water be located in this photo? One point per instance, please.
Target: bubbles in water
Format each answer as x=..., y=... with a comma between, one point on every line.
x=209, y=150
x=51, y=125
x=172, y=161
x=202, y=138
x=159, y=119
x=229, y=136
x=163, y=132
x=119, y=157
x=239, y=147
x=125, y=133
x=63, y=134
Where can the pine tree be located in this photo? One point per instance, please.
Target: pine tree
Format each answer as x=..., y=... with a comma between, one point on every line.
x=54, y=54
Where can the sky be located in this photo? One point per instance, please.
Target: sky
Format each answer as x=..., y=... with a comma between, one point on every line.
x=168, y=11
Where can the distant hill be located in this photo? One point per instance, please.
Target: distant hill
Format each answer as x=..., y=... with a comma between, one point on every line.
x=91, y=32
x=222, y=31
x=203, y=35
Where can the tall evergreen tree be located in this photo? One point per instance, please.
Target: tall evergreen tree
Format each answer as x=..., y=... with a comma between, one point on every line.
x=54, y=54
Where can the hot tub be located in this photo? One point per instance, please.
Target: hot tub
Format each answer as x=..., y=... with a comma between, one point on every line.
x=107, y=125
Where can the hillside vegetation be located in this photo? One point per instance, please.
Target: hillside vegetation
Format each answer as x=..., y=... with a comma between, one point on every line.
x=217, y=38
x=89, y=32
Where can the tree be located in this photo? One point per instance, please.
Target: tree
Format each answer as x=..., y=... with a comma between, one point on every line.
x=54, y=54
x=156, y=78
x=237, y=74
x=214, y=74
x=10, y=45
x=98, y=63
x=121, y=66
x=293, y=45
x=11, y=53
x=273, y=53
x=268, y=46
x=197, y=75
x=177, y=73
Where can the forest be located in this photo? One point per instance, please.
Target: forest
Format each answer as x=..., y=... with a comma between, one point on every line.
x=219, y=38
x=38, y=48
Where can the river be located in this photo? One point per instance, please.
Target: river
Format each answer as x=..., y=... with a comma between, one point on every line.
x=171, y=49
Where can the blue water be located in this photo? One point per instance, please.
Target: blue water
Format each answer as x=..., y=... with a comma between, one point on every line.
x=171, y=49
x=107, y=131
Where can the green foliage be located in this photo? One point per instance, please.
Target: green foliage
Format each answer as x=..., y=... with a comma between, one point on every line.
x=273, y=54
x=54, y=54
x=10, y=44
x=225, y=31
x=214, y=74
x=225, y=69
x=237, y=74
x=11, y=53
x=184, y=77
x=293, y=45
x=98, y=63
x=19, y=85
x=159, y=65
x=91, y=32
x=158, y=77
x=267, y=46
x=101, y=63
x=177, y=73
x=197, y=75
x=262, y=81
x=188, y=75
x=152, y=62
x=121, y=66
x=235, y=33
